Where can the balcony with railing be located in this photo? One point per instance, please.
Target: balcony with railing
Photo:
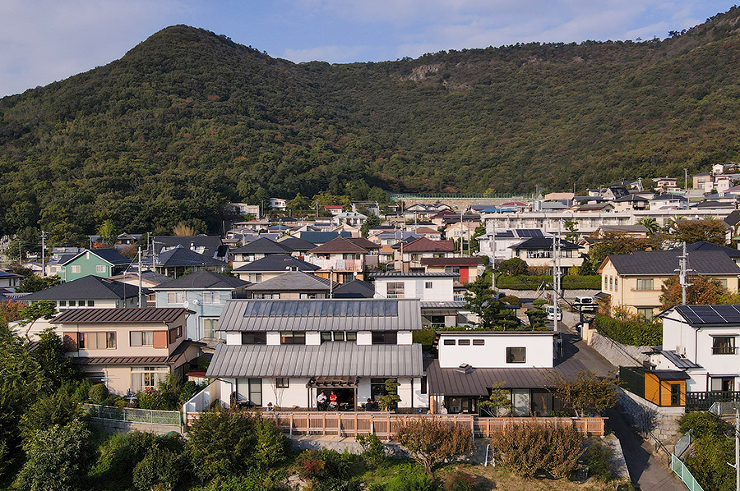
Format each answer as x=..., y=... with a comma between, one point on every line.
x=354, y=265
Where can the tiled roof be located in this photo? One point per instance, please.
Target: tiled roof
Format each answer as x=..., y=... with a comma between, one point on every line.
x=86, y=288
x=423, y=244
x=665, y=263
x=709, y=246
x=297, y=244
x=328, y=359
x=179, y=256
x=292, y=281
x=263, y=246
x=354, y=289
x=321, y=315
x=322, y=237
x=339, y=245
x=111, y=255
x=210, y=243
x=106, y=316
x=277, y=262
x=203, y=280
x=364, y=243
x=400, y=274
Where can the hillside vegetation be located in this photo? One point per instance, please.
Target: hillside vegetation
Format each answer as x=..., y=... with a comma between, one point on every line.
x=189, y=119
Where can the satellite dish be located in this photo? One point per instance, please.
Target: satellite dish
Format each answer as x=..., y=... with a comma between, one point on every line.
x=186, y=304
x=196, y=302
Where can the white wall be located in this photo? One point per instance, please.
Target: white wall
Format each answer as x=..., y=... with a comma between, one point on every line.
x=313, y=338
x=296, y=394
x=364, y=338
x=442, y=288
x=404, y=337
x=539, y=349
x=234, y=338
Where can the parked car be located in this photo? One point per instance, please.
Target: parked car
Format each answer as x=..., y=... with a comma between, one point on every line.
x=550, y=309
x=585, y=304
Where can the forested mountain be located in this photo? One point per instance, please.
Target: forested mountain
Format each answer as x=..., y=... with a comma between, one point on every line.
x=189, y=119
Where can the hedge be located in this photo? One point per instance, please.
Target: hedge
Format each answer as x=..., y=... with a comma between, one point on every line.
x=631, y=333
x=568, y=282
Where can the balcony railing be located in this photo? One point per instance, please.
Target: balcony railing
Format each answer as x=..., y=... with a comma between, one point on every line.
x=354, y=265
x=702, y=401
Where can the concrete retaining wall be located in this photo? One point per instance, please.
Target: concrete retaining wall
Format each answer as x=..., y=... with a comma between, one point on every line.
x=114, y=426
x=619, y=354
x=647, y=417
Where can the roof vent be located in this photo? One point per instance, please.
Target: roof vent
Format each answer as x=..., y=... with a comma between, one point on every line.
x=465, y=368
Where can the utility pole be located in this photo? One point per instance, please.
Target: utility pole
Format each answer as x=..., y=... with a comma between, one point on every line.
x=43, y=250
x=682, y=273
x=686, y=179
x=555, y=277
x=139, y=277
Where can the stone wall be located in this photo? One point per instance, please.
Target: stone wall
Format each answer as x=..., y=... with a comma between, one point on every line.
x=115, y=426
x=647, y=417
x=618, y=354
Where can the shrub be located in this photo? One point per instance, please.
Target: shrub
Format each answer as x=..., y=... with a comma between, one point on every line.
x=255, y=481
x=530, y=448
x=512, y=300
x=431, y=441
x=587, y=394
x=323, y=465
x=460, y=481
x=411, y=479
x=47, y=411
x=161, y=467
x=120, y=455
x=373, y=451
x=539, y=302
x=98, y=393
x=630, y=332
x=513, y=267
x=272, y=446
x=597, y=458
x=81, y=392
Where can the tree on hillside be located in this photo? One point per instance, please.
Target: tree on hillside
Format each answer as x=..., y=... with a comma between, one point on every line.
x=690, y=231
x=107, y=232
x=703, y=290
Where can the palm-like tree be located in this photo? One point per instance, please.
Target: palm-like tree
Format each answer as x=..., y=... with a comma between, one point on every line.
x=651, y=224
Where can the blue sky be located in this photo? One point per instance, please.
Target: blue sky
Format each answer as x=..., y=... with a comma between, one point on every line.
x=42, y=41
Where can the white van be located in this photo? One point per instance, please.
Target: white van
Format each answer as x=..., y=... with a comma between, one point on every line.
x=550, y=309
x=586, y=304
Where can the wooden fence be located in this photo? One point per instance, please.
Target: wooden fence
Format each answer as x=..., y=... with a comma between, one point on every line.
x=384, y=425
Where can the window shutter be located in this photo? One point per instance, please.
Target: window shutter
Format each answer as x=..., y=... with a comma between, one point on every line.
x=160, y=339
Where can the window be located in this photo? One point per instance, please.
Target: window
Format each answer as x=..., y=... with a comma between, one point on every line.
x=606, y=284
x=338, y=336
x=463, y=342
x=96, y=340
x=722, y=282
x=209, y=328
x=395, y=289
x=479, y=342
x=449, y=342
x=611, y=283
x=616, y=284
x=62, y=303
x=255, y=277
x=423, y=388
x=100, y=268
x=516, y=355
x=385, y=337
x=350, y=336
x=644, y=284
x=293, y=337
x=142, y=338
x=174, y=334
x=350, y=256
x=147, y=377
x=175, y=297
x=377, y=388
x=211, y=298
x=72, y=303
x=254, y=338
x=282, y=383
x=74, y=268
x=723, y=345
x=249, y=391
x=91, y=303
x=437, y=320
x=428, y=285
x=645, y=314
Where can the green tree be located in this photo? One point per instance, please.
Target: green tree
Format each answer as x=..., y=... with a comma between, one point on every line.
x=499, y=402
x=35, y=283
x=571, y=230
x=703, y=290
x=372, y=221
x=58, y=408
x=492, y=313
x=57, y=459
x=587, y=393
x=690, y=231
x=619, y=243
x=35, y=311
x=513, y=267
x=651, y=224
x=107, y=232
x=50, y=355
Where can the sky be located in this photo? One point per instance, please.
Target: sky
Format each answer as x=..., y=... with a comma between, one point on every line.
x=42, y=41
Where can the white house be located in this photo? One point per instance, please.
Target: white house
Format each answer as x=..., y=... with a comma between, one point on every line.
x=286, y=352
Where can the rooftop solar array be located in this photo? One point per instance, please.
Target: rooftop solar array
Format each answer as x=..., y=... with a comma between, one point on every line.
x=529, y=232
x=710, y=314
x=322, y=308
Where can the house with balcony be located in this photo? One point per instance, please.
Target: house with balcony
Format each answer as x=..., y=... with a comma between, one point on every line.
x=467, y=268
x=470, y=362
x=204, y=293
x=286, y=352
x=341, y=260
x=634, y=281
x=700, y=347
x=127, y=349
x=409, y=254
x=538, y=251
x=271, y=266
x=257, y=249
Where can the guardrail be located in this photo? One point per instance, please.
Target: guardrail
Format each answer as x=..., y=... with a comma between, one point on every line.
x=683, y=472
x=131, y=415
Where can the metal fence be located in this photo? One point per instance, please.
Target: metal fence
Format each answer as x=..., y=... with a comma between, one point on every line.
x=702, y=401
x=723, y=408
x=683, y=443
x=131, y=415
x=683, y=472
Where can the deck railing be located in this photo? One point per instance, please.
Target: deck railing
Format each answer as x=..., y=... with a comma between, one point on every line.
x=702, y=401
x=384, y=425
x=131, y=415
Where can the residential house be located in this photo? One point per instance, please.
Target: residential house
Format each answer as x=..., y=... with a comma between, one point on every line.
x=366, y=207
x=286, y=352
x=245, y=209
x=210, y=246
x=349, y=218
x=697, y=363
x=149, y=279
x=127, y=349
x=126, y=240
x=354, y=289
x=636, y=231
x=734, y=254
x=320, y=238
x=89, y=291
x=409, y=255
x=204, y=293
x=634, y=281
x=278, y=204
x=97, y=262
x=340, y=260
x=496, y=243
x=270, y=266
x=334, y=209
x=428, y=232
x=467, y=268
x=701, y=179
x=299, y=246
x=470, y=362
x=178, y=261
x=631, y=202
x=291, y=285
x=9, y=280
x=538, y=251
x=669, y=202
x=257, y=249
x=666, y=184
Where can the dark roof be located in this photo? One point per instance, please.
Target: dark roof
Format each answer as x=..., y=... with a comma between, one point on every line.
x=132, y=315
x=670, y=374
x=292, y=281
x=355, y=289
x=179, y=256
x=297, y=244
x=111, y=255
x=338, y=246
x=321, y=315
x=364, y=243
x=203, y=280
x=8, y=274
x=277, y=262
x=263, y=246
x=679, y=361
x=450, y=261
x=540, y=243
x=322, y=237
x=670, y=197
x=733, y=218
x=119, y=360
x=709, y=246
x=665, y=263
x=400, y=274
x=424, y=244
x=86, y=288
x=211, y=243
x=715, y=315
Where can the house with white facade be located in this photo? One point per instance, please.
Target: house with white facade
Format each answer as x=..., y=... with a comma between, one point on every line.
x=286, y=352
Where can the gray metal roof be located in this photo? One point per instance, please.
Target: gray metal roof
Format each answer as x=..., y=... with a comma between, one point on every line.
x=321, y=315
x=203, y=280
x=100, y=316
x=277, y=262
x=327, y=359
x=88, y=288
x=292, y=281
x=435, y=304
x=399, y=274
